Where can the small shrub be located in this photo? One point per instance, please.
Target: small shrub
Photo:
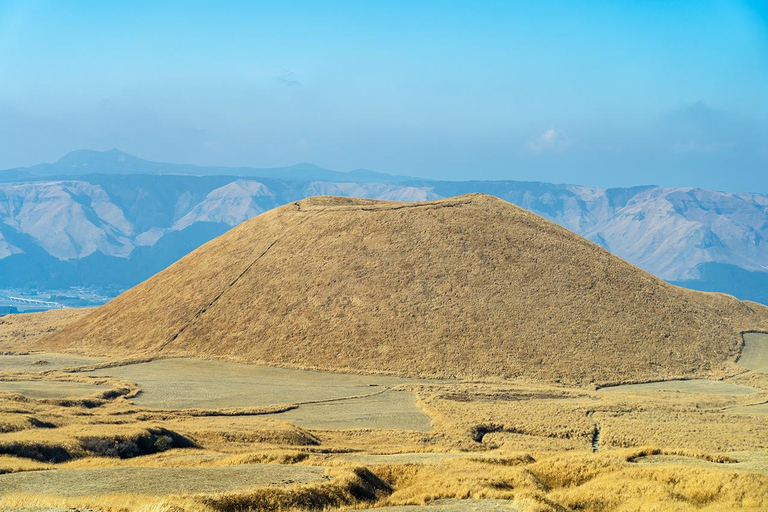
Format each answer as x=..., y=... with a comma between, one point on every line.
x=163, y=443
x=36, y=423
x=478, y=432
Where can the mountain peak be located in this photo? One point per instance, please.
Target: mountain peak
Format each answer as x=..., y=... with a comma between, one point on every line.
x=115, y=161
x=90, y=160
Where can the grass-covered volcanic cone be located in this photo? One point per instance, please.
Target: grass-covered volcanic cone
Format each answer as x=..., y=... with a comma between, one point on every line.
x=470, y=286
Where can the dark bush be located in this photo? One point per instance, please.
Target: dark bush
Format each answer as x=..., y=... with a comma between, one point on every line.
x=151, y=441
x=40, y=424
x=37, y=451
x=478, y=432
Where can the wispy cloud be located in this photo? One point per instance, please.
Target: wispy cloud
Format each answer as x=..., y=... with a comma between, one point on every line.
x=550, y=140
x=699, y=128
x=288, y=78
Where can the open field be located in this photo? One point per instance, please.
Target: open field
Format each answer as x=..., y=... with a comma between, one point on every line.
x=467, y=505
x=749, y=461
x=50, y=389
x=185, y=383
x=156, y=481
x=456, y=506
x=388, y=410
x=42, y=361
x=714, y=387
x=400, y=458
x=325, y=400
x=40, y=509
x=754, y=356
x=750, y=409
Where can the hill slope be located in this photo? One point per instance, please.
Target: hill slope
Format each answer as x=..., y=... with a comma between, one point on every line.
x=467, y=286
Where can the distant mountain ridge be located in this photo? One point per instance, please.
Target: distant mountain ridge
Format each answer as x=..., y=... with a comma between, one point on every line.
x=112, y=219
x=84, y=162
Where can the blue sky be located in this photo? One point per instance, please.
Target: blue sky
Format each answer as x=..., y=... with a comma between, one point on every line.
x=604, y=93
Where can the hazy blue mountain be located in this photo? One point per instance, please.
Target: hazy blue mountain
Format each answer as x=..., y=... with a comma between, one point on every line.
x=123, y=219
x=725, y=278
x=84, y=162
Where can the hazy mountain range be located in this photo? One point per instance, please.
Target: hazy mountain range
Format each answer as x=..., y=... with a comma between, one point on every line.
x=109, y=219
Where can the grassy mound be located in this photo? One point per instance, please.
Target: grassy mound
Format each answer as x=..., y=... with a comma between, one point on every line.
x=465, y=287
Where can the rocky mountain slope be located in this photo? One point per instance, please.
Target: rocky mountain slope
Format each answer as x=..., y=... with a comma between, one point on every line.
x=470, y=286
x=110, y=218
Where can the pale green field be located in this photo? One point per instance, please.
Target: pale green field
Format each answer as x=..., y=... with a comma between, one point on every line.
x=469, y=505
x=390, y=410
x=400, y=458
x=754, y=356
x=41, y=361
x=33, y=508
x=326, y=400
x=196, y=383
x=750, y=461
x=714, y=387
x=50, y=389
x=157, y=481
x=749, y=409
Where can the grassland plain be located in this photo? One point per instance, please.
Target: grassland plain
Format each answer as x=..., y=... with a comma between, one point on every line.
x=523, y=442
x=715, y=387
x=465, y=287
x=518, y=421
x=159, y=481
x=754, y=355
x=327, y=400
x=457, y=506
x=39, y=361
x=50, y=389
x=185, y=383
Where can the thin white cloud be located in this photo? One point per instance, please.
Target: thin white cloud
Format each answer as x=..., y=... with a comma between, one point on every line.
x=550, y=140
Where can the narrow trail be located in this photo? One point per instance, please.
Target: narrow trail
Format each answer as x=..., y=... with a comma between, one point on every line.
x=343, y=398
x=205, y=308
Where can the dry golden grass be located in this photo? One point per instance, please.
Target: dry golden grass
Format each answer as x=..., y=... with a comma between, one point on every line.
x=19, y=332
x=546, y=467
x=463, y=287
x=555, y=482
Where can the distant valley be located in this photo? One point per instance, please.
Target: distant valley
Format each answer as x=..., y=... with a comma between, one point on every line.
x=109, y=220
